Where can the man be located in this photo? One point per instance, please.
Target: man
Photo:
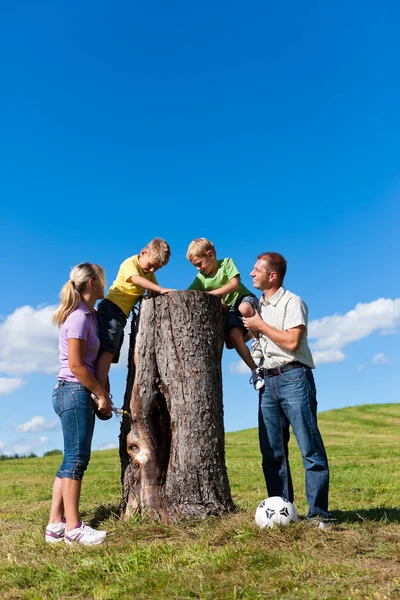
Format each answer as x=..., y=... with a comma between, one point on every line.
x=289, y=395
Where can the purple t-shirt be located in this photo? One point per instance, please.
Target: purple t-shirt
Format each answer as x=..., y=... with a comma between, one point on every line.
x=82, y=325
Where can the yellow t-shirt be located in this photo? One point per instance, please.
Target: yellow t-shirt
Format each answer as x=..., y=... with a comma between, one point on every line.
x=123, y=292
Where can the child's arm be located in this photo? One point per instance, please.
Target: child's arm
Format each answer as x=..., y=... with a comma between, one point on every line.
x=228, y=288
x=149, y=285
x=196, y=285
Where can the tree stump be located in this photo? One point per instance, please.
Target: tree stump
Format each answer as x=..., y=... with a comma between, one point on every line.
x=172, y=441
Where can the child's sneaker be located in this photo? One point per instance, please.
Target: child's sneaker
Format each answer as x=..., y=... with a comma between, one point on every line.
x=256, y=352
x=55, y=532
x=83, y=534
x=257, y=378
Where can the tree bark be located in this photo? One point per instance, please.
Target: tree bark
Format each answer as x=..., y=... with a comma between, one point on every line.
x=172, y=441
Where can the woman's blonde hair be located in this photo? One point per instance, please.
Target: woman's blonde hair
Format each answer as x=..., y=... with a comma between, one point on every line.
x=199, y=248
x=71, y=293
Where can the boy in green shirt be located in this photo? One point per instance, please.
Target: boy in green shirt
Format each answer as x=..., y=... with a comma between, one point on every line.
x=222, y=278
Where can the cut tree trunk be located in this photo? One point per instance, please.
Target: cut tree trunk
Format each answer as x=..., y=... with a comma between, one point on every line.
x=172, y=441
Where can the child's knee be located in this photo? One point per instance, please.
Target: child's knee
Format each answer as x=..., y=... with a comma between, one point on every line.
x=246, y=309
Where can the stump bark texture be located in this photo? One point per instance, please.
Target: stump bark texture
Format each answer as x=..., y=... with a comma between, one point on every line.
x=172, y=442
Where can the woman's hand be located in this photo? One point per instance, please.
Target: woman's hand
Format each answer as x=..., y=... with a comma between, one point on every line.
x=104, y=403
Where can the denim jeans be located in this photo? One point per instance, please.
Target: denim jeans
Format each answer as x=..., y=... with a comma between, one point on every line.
x=72, y=403
x=290, y=399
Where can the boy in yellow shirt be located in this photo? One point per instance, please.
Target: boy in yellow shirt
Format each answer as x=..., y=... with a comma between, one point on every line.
x=222, y=278
x=135, y=276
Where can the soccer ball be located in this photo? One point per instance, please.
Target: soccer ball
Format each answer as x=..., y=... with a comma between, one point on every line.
x=275, y=511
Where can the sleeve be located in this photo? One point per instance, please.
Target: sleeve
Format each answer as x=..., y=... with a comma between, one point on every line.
x=196, y=285
x=78, y=326
x=296, y=313
x=129, y=268
x=231, y=269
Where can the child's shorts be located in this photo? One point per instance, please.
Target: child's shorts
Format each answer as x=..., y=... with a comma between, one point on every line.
x=234, y=317
x=112, y=321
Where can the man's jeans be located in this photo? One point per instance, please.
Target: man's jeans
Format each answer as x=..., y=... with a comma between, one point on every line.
x=290, y=399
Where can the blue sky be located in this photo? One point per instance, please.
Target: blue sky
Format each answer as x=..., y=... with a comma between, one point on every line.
x=259, y=126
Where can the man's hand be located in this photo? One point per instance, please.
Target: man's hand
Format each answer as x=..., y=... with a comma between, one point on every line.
x=254, y=323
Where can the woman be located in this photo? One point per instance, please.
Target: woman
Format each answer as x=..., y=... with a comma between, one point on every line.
x=79, y=344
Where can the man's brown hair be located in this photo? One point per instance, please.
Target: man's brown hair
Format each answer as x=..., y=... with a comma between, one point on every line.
x=275, y=262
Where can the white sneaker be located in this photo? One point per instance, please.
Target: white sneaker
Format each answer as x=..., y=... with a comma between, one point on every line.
x=320, y=522
x=84, y=535
x=55, y=532
x=257, y=379
x=256, y=352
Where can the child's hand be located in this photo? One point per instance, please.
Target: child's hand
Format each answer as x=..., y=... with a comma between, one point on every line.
x=224, y=305
x=166, y=290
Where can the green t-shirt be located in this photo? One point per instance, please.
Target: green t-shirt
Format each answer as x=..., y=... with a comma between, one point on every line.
x=226, y=271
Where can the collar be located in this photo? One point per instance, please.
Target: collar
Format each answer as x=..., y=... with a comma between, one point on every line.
x=275, y=298
x=82, y=307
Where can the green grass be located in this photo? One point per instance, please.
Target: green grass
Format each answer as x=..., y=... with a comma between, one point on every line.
x=223, y=558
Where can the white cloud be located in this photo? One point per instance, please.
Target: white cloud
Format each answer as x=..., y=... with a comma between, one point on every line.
x=43, y=439
x=9, y=385
x=37, y=424
x=331, y=334
x=334, y=333
x=379, y=359
x=29, y=341
x=360, y=367
x=328, y=356
x=24, y=447
x=337, y=331
x=29, y=344
x=2, y=445
x=239, y=368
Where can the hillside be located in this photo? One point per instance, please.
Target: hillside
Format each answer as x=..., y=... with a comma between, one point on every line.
x=221, y=558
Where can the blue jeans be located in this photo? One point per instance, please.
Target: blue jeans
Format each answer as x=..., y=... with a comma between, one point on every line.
x=72, y=403
x=290, y=399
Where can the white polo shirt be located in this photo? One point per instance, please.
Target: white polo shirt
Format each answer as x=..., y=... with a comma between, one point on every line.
x=283, y=311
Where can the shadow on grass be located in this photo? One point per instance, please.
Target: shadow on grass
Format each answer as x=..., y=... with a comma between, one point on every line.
x=388, y=515
x=103, y=513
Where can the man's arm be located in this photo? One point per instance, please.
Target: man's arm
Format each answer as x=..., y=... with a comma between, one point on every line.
x=149, y=285
x=289, y=339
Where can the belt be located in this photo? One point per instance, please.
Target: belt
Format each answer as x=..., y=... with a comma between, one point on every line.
x=283, y=369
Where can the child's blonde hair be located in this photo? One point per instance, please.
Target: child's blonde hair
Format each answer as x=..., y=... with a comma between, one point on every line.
x=71, y=293
x=199, y=247
x=159, y=250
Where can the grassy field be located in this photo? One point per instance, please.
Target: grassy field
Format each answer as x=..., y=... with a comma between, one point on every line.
x=227, y=558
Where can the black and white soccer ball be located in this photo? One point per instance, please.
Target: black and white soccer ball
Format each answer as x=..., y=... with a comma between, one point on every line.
x=275, y=511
